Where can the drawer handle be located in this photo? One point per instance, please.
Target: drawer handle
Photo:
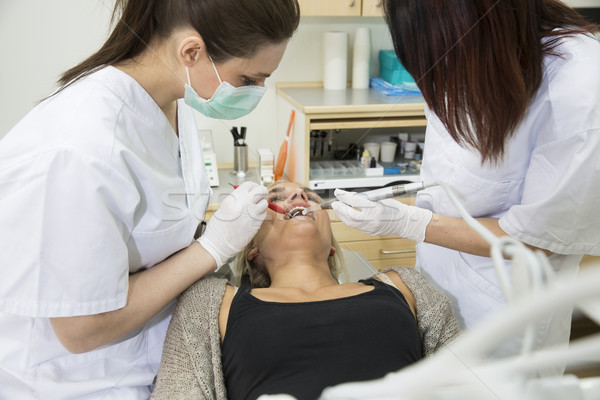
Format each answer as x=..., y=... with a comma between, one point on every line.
x=396, y=251
x=353, y=3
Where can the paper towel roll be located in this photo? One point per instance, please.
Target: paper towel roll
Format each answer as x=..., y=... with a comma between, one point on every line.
x=361, y=59
x=336, y=60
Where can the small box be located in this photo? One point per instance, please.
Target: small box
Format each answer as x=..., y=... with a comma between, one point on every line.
x=394, y=170
x=377, y=171
x=265, y=165
x=391, y=70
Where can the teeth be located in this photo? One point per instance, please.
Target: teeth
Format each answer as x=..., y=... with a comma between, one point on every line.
x=297, y=208
x=296, y=211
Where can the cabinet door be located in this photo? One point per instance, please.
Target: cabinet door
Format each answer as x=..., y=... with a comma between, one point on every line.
x=372, y=8
x=329, y=8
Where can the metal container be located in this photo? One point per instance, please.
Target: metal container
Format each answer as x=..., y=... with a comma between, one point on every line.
x=240, y=161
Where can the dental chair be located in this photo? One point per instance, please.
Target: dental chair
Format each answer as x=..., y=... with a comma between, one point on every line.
x=466, y=370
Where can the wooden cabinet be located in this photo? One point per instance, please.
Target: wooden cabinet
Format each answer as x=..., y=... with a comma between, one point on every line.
x=380, y=251
x=330, y=8
x=590, y=261
x=341, y=8
x=372, y=8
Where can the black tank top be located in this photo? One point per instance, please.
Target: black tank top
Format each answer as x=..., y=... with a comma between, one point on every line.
x=302, y=348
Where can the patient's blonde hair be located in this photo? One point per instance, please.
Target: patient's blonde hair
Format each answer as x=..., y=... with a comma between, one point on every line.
x=258, y=276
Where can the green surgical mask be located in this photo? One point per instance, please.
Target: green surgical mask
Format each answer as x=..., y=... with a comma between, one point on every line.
x=228, y=102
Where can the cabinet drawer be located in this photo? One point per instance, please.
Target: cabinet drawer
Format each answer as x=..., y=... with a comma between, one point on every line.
x=344, y=233
x=382, y=249
x=380, y=265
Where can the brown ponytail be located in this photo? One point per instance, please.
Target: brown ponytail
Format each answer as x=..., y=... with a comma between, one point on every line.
x=229, y=28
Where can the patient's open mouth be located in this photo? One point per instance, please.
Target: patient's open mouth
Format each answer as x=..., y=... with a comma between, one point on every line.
x=297, y=212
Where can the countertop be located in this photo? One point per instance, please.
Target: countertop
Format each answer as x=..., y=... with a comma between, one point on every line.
x=226, y=183
x=313, y=99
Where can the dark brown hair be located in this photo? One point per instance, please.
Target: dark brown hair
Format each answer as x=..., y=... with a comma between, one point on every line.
x=229, y=28
x=479, y=63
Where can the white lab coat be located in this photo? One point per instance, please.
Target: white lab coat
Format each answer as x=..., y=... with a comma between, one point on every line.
x=545, y=192
x=92, y=189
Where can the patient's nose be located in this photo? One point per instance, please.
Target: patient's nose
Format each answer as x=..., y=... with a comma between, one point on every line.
x=298, y=194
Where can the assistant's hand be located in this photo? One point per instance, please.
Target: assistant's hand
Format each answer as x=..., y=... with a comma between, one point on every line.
x=235, y=222
x=384, y=217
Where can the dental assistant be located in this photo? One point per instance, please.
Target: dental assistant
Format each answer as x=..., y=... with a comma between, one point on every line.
x=103, y=188
x=512, y=91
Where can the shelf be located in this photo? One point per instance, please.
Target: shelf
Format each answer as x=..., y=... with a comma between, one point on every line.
x=319, y=109
x=367, y=123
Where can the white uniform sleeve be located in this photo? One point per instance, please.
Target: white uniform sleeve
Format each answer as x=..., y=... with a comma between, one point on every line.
x=559, y=208
x=66, y=253
x=561, y=194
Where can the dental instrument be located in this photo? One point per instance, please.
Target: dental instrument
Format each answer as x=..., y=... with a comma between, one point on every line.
x=378, y=194
x=275, y=207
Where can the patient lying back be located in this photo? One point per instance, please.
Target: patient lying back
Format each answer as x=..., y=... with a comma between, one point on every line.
x=300, y=343
x=289, y=326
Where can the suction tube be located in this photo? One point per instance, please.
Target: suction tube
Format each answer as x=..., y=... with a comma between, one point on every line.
x=380, y=194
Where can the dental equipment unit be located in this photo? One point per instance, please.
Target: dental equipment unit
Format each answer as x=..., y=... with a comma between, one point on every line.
x=467, y=370
x=379, y=194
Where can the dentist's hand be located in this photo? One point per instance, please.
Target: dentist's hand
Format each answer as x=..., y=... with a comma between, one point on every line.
x=236, y=222
x=384, y=217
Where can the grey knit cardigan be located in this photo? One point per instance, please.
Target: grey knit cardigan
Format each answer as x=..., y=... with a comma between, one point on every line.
x=191, y=362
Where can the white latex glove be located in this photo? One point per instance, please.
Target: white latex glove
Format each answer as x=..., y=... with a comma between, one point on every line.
x=384, y=217
x=236, y=222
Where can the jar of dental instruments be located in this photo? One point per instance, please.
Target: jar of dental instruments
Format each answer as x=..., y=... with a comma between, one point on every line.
x=240, y=153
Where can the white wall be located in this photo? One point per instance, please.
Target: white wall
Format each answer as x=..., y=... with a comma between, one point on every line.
x=40, y=39
x=583, y=3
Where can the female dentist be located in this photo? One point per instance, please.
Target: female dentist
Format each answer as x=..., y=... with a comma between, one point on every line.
x=512, y=90
x=102, y=188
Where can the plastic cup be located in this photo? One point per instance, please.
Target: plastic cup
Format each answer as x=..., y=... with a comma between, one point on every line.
x=373, y=149
x=388, y=151
x=409, y=150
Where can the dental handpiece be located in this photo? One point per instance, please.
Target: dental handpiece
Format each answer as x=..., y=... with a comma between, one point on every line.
x=379, y=194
